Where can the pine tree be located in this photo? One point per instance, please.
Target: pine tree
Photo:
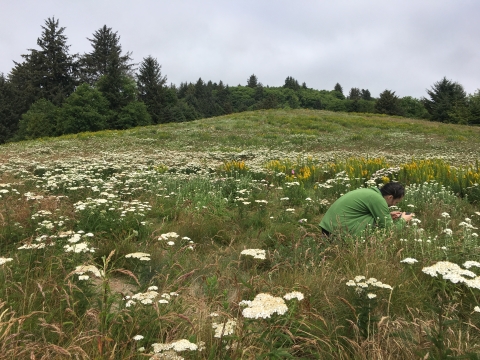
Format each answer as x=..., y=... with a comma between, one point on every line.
x=151, y=86
x=105, y=57
x=365, y=94
x=447, y=103
x=338, y=91
x=8, y=113
x=388, y=103
x=50, y=72
x=291, y=83
x=354, y=94
x=252, y=81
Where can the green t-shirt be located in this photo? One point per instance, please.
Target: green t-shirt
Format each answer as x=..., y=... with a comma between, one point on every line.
x=357, y=211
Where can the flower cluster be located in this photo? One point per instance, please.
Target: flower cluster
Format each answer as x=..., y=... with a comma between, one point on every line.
x=82, y=269
x=454, y=273
x=256, y=253
x=362, y=283
x=139, y=255
x=263, y=306
x=224, y=328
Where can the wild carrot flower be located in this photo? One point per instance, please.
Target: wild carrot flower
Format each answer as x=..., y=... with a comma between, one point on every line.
x=138, y=337
x=371, y=296
x=476, y=309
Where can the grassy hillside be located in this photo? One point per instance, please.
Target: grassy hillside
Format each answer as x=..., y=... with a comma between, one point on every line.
x=200, y=240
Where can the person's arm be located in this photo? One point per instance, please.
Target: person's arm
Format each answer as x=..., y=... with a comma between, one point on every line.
x=379, y=209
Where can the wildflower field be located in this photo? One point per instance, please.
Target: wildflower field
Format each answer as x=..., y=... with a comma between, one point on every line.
x=200, y=240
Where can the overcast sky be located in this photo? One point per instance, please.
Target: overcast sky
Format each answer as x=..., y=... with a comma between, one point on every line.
x=400, y=45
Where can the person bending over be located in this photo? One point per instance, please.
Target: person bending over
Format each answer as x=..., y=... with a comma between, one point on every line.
x=366, y=208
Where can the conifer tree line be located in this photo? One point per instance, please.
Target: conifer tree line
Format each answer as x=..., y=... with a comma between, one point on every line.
x=52, y=92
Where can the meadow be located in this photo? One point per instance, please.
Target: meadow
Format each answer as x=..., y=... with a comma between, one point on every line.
x=200, y=240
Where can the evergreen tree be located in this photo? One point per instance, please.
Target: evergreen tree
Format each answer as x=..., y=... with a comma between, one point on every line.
x=354, y=94
x=388, y=103
x=105, y=57
x=413, y=108
x=338, y=91
x=291, y=83
x=8, y=113
x=85, y=110
x=151, y=86
x=365, y=94
x=39, y=121
x=252, y=81
x=447, y=103
x=50, y=72
x=474, y=107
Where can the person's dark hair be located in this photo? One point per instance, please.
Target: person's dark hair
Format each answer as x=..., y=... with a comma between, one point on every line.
x=393, y=188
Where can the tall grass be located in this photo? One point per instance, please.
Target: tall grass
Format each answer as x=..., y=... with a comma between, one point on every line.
x=110, y=248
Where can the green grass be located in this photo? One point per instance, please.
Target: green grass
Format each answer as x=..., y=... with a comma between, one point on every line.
x=215, y=187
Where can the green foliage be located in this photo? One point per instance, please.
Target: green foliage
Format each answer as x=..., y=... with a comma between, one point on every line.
x=151, y=90
x=291, y=83
x=413, y=108
x=8, y=112
x=338, y=91
x=354, y=94
x=133, y=114
x=106, y=58
x=447, y=102
x=85, y=110
x=39, y=121
x=252, y=81
x=388, y=103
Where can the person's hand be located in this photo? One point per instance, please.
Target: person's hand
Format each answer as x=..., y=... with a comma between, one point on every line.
x=396, y=215
x=407, y=217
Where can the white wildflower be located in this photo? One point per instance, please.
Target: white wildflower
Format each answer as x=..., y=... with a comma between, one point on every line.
x=410, y=261
x=294, y=295
x=4, y=260
x=224, y=329
x=256, y=253
x=263, y=306
x=139, y=255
